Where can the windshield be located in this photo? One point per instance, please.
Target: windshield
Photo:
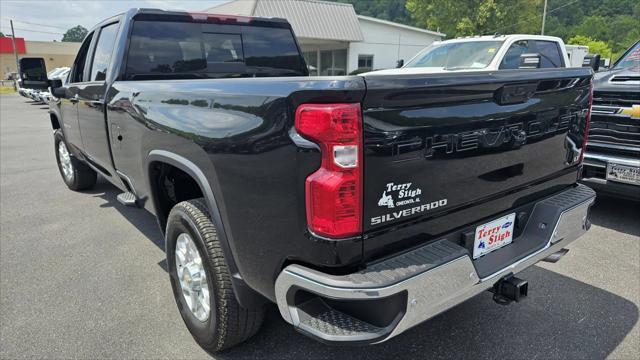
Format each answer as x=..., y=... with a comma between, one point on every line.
x=457, y=55
x=631, y=59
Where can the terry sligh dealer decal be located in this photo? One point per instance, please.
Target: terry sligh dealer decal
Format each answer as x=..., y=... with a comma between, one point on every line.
x=402, y=192
x=397, y=195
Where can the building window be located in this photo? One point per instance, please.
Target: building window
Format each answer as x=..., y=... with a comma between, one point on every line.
x=333, y=62
x=365, y=61
x=311, y=57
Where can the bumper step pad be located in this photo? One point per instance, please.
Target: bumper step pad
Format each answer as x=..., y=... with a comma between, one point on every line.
x=407, y=265
x=127, y=199
x=317, y=317
x=395, y=294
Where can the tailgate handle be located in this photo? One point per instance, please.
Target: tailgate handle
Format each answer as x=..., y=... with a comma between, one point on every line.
x=515, y=94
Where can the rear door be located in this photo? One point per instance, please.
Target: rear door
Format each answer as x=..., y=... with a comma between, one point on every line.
x=69, y=103
x=90, y=100
x=436, y=144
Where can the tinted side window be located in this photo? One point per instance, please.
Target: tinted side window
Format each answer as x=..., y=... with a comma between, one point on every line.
x=165, y=47
x=512, y=57
x=103, y=51
x=549, y=54
x=186, y=50
x=77, y=74
x=272, y=48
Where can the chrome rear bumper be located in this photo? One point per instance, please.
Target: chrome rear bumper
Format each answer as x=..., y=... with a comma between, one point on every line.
x=417, y=285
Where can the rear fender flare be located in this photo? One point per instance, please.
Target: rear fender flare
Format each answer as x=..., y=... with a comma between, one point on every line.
x=194, y=171
x=247, y=297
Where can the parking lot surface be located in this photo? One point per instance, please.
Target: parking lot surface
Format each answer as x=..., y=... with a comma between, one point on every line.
x=83, y=277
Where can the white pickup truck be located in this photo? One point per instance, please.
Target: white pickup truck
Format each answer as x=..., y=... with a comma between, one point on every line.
x=482, y=53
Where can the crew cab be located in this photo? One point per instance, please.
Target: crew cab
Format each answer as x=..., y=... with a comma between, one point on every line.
x=485, y=53
x=612, y=160
x=360, y=205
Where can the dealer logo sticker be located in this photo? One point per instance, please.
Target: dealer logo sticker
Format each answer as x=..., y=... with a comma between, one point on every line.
x=404, y=194
x=397, y=195
x=386, y=200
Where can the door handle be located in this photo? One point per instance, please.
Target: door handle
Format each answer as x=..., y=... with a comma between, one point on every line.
x=74, y=99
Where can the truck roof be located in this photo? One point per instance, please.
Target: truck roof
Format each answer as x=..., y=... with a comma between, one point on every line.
x=514, y=37
x=133, y=12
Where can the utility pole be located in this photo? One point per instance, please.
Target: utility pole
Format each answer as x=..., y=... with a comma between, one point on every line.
x=544, y=17
x=15, y=51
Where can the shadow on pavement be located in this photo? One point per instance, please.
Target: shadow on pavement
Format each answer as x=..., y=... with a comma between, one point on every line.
x=144, y=221
x=618, y=214
x=561, y=318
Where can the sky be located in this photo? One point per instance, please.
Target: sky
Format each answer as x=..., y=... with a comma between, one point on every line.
x=48, y=20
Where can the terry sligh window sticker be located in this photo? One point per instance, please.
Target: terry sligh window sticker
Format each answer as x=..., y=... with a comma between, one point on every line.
x=397, y=195
x=402, y=192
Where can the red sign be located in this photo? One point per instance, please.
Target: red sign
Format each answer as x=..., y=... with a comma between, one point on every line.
x=6, y=45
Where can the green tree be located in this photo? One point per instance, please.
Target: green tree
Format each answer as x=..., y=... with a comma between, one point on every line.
x=596, y=27
x=1, y=34
x=614, y=22
x=595, y=46
x=75, y=34
x=476, y=17
x=391, y=10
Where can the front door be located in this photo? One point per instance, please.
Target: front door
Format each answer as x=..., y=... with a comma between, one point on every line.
x=91, y=106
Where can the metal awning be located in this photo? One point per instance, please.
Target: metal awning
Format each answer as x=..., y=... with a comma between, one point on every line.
x=311, y=19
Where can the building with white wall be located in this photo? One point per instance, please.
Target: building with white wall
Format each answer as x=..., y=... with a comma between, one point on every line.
x=55, y=54
x=334, y=39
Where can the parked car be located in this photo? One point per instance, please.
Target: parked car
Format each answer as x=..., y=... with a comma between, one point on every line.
x=484, y=53
x=612, y=160
x=360, y=205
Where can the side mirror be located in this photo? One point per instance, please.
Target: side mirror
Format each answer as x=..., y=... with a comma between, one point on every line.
x=55, y=83
x=56, y=88
x=34, y=73
x=400, y=63
x=592, y=61
x=529, y=61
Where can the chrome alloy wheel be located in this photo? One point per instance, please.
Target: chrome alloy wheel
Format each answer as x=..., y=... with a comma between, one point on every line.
x=65, y=161
x=192, y=276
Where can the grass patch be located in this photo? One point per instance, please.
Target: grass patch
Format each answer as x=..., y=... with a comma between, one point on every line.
x=6, y=90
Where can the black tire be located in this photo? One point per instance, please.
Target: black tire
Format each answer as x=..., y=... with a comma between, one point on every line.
x=228, y=323
x=83, y=177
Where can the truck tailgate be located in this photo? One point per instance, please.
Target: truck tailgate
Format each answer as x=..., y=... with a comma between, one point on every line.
x=439, y=143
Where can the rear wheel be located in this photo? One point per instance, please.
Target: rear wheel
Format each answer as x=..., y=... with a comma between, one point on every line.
x=201, y=280
x=76, y=174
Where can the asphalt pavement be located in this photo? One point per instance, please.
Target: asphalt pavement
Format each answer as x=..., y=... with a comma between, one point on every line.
x=82, y=276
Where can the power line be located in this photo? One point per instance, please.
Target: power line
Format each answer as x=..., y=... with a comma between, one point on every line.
x=37, y=31
x=30, y=23
x=565, y=5
x=529, y=19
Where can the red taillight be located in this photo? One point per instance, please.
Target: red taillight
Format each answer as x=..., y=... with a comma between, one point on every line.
x=586, y=125
x=333, y=193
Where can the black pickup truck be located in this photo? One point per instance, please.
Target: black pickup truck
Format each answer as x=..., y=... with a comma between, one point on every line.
x=360, y=205
x=612, y=159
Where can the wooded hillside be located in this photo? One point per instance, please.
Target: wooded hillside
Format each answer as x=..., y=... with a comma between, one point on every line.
x=612, y=24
